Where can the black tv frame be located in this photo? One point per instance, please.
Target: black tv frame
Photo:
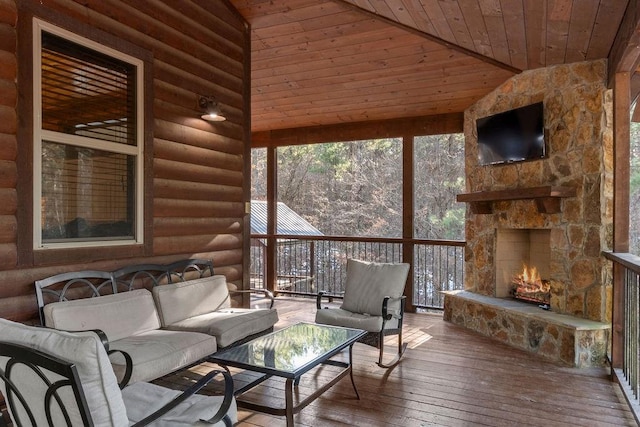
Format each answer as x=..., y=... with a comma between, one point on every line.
x=512, y=136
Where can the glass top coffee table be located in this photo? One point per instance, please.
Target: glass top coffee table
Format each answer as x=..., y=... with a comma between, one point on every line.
x=289, y=353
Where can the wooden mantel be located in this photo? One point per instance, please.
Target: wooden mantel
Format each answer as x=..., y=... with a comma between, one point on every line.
x=547, y=198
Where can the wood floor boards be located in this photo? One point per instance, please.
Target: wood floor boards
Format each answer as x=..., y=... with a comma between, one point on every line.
x=448, y=377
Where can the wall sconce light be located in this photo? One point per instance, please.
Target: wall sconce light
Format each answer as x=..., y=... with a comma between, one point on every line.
x=211, y=109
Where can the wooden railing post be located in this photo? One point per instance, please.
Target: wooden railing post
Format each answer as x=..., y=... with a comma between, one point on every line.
x=407, y=215
x=271, y=275
x=617, y=321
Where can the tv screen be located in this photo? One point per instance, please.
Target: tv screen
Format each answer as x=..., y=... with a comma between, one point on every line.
x=513, y=136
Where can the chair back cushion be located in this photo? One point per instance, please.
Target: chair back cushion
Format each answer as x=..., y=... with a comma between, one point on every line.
x=183, y=300
x=119, y=316
x=94, y=370
x=369, y=282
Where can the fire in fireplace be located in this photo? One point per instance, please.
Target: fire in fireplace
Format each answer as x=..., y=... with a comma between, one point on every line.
x=529, y=287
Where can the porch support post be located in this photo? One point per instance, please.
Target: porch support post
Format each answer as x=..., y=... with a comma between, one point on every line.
x=407, y=215
x=624, y=59
x=621, y=143
x=272, y=219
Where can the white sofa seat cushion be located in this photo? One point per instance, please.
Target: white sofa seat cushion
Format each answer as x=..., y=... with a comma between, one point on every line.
x=141, y=399
x=94, y=370
x=160, y=352
x=118, y=316
x=182, y=300
x=340, y=317
x=369, y=282
x=229, y=325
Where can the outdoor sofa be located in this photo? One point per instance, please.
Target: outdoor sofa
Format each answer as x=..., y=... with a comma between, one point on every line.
x=165, y=317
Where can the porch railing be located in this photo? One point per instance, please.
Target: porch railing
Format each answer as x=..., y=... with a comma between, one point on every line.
x=306, y=265
x=625, y=357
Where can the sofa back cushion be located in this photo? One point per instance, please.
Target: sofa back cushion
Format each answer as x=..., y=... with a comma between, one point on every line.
x=179, y=301
x=119, y=316
x=94, y=371
x=369, y=282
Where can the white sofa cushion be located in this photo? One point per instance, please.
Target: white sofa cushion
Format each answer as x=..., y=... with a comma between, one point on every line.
x=159, y=352
x=182, y=300
x=144, y=398
x=347, y=319
x=94, y=370
x=369, y=282
x=229, y=325
x=118, y=316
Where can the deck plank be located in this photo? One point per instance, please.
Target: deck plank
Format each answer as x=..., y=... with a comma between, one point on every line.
x=449, y=376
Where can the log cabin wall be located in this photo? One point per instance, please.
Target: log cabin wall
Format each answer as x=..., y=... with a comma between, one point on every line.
x=198, y=194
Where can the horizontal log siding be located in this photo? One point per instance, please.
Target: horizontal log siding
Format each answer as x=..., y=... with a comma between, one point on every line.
x=8, y=142
x=198, y=185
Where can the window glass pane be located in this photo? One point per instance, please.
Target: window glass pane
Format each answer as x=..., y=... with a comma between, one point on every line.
x=259, y=174
x=439, y=177
x=86, y=194
x=345, y=188
x=86, y=92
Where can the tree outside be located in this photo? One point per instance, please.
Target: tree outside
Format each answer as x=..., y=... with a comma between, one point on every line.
x=439, y=177
x=355, y=188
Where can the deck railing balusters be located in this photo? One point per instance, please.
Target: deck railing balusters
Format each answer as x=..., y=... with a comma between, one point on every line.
x=626, y=361
x=308, y=264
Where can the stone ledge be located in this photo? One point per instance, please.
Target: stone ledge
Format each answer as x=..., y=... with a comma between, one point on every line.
x=556, y=337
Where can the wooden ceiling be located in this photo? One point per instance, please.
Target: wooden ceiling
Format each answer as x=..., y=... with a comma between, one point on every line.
x=323, y=62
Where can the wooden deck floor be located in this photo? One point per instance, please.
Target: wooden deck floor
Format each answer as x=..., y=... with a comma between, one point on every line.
x=448, y=377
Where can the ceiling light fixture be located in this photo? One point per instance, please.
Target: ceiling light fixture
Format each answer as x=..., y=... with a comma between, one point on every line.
x=211, y=109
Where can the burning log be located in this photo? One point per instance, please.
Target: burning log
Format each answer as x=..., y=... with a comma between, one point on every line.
x=528, y=286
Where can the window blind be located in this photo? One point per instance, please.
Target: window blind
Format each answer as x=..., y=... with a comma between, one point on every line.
x=85, y=92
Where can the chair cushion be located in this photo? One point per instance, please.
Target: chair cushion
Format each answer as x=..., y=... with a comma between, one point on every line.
x=229, y=325
x=160, y=352
x=144, y=398
x=369, y=282
x=94, y=370
x=118, y=316
x=347, y=319
x=179, y=301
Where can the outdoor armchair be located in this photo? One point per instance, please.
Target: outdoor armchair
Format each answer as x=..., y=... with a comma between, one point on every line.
x=373, y=301
x=57, y=378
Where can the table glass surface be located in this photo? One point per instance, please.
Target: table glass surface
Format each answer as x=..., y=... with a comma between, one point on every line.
x=290, y=350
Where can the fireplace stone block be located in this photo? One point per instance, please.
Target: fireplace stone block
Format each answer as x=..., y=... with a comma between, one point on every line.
x=558, y=338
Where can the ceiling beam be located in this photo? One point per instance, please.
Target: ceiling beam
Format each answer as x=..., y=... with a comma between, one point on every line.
x=394, y=128
x=624, y=55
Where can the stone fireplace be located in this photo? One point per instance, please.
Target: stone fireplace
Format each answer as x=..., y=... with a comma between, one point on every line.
x=554, y=213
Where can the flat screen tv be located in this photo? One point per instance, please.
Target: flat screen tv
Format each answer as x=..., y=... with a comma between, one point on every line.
x=513, y=136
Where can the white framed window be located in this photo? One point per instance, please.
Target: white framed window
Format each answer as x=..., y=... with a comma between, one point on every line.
x=88, y=142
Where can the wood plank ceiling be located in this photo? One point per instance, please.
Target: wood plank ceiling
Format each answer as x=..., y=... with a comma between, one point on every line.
x=323, y=62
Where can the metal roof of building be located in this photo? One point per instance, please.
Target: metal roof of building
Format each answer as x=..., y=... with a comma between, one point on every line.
x=289, y=222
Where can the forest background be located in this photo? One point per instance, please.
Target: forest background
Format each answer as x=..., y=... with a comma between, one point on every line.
x=355, y=188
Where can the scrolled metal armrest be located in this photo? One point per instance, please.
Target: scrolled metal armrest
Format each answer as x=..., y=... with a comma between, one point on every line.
x=267, y=293
x=385, y=309
x=127, y=358
x=104, y=340
x=99, y=332
x=220, y=415
x=325, y=294
x=128, y=367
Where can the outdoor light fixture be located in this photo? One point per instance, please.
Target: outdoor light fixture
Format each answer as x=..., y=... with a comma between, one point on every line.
x=211, y=109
